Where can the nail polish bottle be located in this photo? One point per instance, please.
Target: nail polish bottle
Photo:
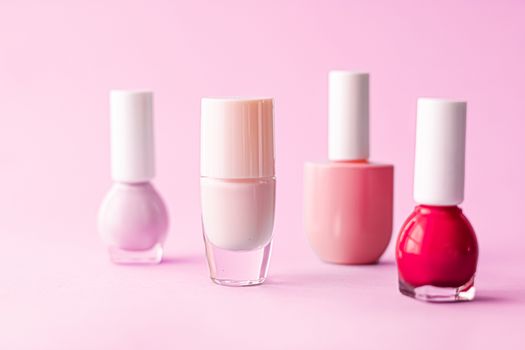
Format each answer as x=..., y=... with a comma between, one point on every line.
x=133, y=219
x=437, y=249
x=348, y=200
x=237, y=188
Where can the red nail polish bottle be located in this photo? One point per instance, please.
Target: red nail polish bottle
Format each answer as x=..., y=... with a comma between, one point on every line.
x=437, y=249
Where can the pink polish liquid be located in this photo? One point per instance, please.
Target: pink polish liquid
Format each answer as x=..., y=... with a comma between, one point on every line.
x=237, y=188
x=437, y=249
x=348, y=201
x=132, y=220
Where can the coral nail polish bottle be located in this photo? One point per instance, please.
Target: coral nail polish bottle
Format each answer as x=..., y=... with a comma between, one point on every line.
x=437, y=249
x=348, y=201
x=237, y=188
x=133, y=219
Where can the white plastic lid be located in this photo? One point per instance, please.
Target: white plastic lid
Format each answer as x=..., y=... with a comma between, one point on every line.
x=237, y=139
x=439, y=175
x=132, y=142
x=348, y=116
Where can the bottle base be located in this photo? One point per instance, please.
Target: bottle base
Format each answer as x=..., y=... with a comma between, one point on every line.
x=149, y=256
x=237, y=268
x=435, y=294
x=237, y=283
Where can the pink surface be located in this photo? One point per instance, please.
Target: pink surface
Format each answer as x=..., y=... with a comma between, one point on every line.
x=58, y=61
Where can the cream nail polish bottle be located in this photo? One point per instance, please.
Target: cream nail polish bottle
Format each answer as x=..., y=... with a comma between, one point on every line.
x=237, y=188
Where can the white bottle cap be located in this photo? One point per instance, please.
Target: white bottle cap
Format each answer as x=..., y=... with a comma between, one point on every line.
x=348, y=116
x=237, y=138
x=439, y=175
x=132, y=143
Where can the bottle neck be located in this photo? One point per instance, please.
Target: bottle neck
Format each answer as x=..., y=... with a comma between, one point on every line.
x=131, y=184
x=351, y=161
x=438, y=208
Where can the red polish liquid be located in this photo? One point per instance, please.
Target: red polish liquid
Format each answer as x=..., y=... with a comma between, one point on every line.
x=437, y=247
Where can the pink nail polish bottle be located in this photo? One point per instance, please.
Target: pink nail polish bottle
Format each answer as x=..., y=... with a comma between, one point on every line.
x=348, y=201
x=437, y=249
x=133, y=219
x=237, y=188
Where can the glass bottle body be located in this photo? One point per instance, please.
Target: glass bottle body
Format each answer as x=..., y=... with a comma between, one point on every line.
x=133, y=223
x=437, y=255
x=237, y=221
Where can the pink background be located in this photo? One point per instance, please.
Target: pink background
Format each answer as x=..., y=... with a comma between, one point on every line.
x=58, y=59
